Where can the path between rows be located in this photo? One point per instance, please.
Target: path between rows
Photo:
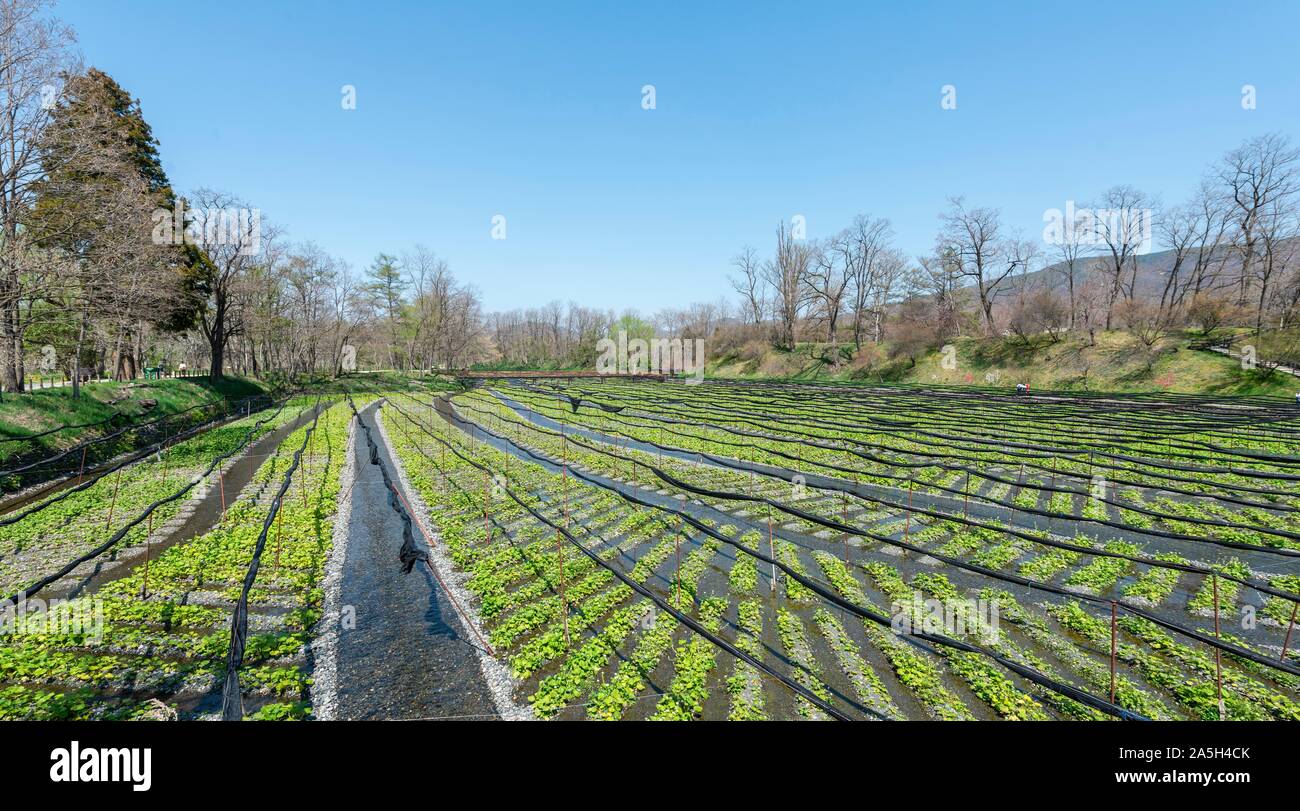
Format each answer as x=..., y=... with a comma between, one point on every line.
x=407, y=655
x=1225, y=351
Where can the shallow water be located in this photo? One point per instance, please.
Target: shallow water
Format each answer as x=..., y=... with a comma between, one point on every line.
x=407, y=656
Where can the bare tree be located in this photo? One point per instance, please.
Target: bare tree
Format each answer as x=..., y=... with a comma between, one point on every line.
x=1093, y=308
x=873, y=272
x=1279, y=238
x=1073, y=248
x=1260, y=181
x=432, y=286
x=1213, y=221
x=35, y=51
x=1208, y=312
x=1035, y=313
x=1121, y=220
x=936, y=279
x=221, y=228
x=749, y=284
x=1289, y=296
x=786, y=275
x=971, y=241
x=1144, y=320
x=829, y=274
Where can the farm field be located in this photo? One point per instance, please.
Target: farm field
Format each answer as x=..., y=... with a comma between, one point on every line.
x=662, y=551
x=151, y=637
x=553, y=365
x=619, y=550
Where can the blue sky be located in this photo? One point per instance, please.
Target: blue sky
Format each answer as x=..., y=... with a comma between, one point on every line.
x=469, y=110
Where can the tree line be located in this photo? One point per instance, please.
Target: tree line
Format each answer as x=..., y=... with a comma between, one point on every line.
x=105, y=269
x=1228, y=256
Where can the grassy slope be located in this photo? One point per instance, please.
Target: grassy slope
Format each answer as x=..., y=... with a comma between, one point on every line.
x=1117, y=363
x=22, y=414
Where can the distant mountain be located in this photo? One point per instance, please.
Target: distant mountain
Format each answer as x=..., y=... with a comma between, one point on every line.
x=1153, y=271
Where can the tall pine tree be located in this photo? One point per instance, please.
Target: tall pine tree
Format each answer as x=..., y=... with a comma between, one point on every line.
x=103, y=182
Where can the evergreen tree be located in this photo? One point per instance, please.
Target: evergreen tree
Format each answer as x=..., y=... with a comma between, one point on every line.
x=387, y=289
x=103, y=182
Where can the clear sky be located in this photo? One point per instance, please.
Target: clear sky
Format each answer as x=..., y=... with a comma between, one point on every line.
x=534, y=111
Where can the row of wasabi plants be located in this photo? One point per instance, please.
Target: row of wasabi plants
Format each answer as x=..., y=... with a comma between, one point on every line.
x=153, y=642
x=868, y=516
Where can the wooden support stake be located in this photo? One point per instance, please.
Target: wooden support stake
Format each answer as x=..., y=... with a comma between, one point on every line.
x=117, y=482
x=771, y=547
x=677, y=549
x=279, y=531
x=907, y=524
x=1218, y=654
x=1114, y=638
x=1287, y=640
x=82, y=471
x=844, y=519
x=148, y=544
x=965, y=510
x=564, y=605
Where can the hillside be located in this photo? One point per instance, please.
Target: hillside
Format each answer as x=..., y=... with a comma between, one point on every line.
x=1117, y=363
x=1153, y=269
x=46, y=409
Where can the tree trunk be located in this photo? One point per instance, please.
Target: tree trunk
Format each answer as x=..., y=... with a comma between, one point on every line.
x=76, y=357
x=1070, y=275
x=217, y=340
x=9, y=378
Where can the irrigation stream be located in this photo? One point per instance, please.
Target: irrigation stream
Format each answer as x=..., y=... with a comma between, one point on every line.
x=406, y=656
